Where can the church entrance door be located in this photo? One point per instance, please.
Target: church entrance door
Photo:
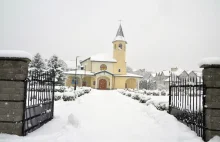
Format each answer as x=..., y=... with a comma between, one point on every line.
x=102, y=84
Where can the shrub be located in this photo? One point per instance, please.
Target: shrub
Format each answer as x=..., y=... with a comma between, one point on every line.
x=69, y=96
x=144, y=99
x=58, y=96
x=163, y=93
x=128, y=94
x=155, y=93
x=136, y=97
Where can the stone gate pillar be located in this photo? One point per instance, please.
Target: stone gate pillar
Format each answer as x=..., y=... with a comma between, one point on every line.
x=211, y=78
x=13, y=73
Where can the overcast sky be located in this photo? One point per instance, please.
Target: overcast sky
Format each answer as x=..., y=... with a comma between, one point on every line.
x=160, y=33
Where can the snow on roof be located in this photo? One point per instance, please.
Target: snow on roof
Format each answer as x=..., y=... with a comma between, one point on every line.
x=102, y=57
x=83, y=72
x=71, y=64
x=153, y=74
x=166, y=73
x=79, y=72
x=178, y=71
x=189, y=72
x=119, y=35
x=130, y=75
x=15, y=54
x=198, y=73
x=210, y=61
x=119, y=38
x=167, y=80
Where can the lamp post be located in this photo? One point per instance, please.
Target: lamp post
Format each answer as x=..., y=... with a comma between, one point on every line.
x=75, y=73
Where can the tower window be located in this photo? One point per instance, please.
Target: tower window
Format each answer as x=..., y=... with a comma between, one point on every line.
x=120, y=46
x=119, y=70
x=115, y=46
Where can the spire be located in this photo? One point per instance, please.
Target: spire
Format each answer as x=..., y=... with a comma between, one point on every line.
x=120, y=32
x=119, y=35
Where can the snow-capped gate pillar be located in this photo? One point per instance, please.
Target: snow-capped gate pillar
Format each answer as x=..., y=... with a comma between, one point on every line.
x=211, y=79
x=13, y=73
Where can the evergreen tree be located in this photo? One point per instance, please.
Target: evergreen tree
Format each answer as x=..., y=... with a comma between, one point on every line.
x=57, y=65
x=37, y=63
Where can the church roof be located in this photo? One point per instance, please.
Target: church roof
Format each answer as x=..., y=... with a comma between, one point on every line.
x=120, y=35
x=129, y=75
x=101, y=57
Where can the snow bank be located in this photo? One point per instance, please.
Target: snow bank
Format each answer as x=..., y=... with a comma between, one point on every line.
x=15, y=54
x=210, y=61
x=73, y=121
x=215, y=139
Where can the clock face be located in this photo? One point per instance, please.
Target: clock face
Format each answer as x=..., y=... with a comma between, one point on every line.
x=120, y=46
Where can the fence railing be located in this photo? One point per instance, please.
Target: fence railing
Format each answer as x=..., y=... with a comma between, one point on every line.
x=186, y=102
x=39, y=104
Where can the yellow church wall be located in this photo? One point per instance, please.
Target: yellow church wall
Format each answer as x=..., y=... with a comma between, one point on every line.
x=120, y=56
x=87, y=65
x=119, y=82
x=92, y=82
x=69, y=81
x=96, y=66
x=87, y=79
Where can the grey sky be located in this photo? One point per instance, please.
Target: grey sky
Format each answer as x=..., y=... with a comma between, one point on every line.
x=160, y=33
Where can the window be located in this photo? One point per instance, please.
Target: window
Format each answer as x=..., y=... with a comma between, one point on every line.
x=103, y=67
x=119, y=70
x=120, y=46
x=115, y=46
x=75, y=80
x=93, y=82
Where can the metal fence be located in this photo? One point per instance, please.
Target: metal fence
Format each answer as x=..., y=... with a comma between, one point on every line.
x=186, y=102
x=39, y=104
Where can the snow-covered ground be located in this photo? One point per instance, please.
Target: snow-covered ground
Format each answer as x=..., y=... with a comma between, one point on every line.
x=108, y=116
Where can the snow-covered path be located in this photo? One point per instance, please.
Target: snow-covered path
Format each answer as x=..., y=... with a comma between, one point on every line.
x=107, y=116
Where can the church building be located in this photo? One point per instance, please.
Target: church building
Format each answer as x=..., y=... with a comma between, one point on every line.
x=102, y=71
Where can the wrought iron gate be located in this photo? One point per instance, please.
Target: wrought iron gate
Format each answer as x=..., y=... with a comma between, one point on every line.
x=39, y=104
x=186, y=102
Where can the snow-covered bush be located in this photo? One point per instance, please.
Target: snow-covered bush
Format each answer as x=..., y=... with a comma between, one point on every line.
x=86, y=89
x=136, y=96
x=58, y=96
x=163, y=93
x=128, y=94
x=156, y=93
x=59, y=88
x=144, y=99
x=160, y=105
x=149, y=93
x=69, y=96
x=154, y=98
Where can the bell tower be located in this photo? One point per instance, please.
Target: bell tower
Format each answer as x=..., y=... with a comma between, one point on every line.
x=119, y=52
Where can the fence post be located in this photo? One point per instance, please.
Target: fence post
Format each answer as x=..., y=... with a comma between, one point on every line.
x=13, y=74
x=211, y=108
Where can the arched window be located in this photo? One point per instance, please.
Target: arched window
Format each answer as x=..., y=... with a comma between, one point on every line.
x=103, y=67
x=120, y=46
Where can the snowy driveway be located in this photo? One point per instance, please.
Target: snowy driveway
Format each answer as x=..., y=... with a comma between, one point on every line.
x=107, y=116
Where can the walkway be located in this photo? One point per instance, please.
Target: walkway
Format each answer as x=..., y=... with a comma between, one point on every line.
x=107, y=116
